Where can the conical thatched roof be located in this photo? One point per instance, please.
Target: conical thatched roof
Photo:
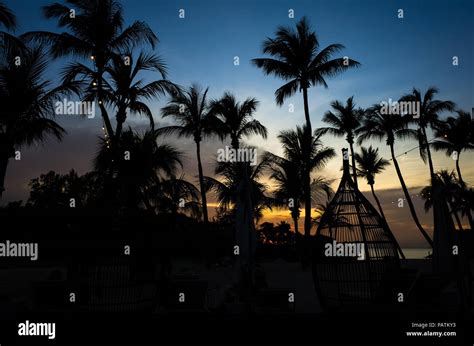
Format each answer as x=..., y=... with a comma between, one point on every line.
x=351, y=222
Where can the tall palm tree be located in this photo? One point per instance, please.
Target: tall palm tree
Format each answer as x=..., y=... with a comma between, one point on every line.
x=7, y=17
x=128, y=94
x=96, y=32
x=454, y=136
x=344, y=121
x=27, y=101
x=190, y=109
x=307, y=156
x=369, y=165
x=146, y=165
x=298, y=59
x=235, y=120
x=391, y=127
x=430, y=110
x=450, y=188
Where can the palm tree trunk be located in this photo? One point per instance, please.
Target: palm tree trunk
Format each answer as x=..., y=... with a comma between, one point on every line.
x=408, y=198
x=306, y=110
x=121, y=116
x=458, y=169
x=7, y=150
x=463, y=185
x=3, y=171
x=201, y=182
x=354, y=169
x=295, y=220
x=307, y=172
x=428, y=151
x=456, y=216
x=377, y=201
x=103, y=111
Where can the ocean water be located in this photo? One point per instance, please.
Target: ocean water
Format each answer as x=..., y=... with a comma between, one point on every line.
x=412, y=253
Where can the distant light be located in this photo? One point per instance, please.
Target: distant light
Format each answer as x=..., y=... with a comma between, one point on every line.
x=94, y=83
x=92, y=57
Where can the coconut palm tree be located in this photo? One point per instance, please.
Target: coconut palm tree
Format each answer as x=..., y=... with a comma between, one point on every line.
x=144, y=164
x=96, y=32
x=27, y=101
x=344, y=121
x=391, y=127
x=289, y=192
x=298, y=59
x=190, y=110
x=369, y=165
x=430, y=110
x=174, y=195
x=128, y=94
x=7, y=17
x=297, y=150
x=450, y=188
x=230, y=176
x=235, y=120
x=453, y=136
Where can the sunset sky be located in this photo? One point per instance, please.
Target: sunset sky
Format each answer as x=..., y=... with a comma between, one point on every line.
x=396, y=55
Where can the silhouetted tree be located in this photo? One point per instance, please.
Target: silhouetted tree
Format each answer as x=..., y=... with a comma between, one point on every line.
x=298, y=59
x=298, y=150
x=344, y=121
x=190, y=110
x=451, y=191
x=235, y=119
x=369, y=164
x=390, y=127
x=429, y=117
x=27, y=101
x=96, y=32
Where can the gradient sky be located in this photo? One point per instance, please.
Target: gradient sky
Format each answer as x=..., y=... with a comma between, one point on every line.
x=396, y=55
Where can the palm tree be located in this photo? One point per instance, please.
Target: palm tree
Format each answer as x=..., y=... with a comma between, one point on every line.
x=328, y=213
x=231, y=175
x=176, y=194
x=454, y=136
x=144, y=165
x=450, y=189
x=289, y=188
x=129, y=94
x=96, y=32
x=7, y=17
x=289, y=192
x=344, y=121
x=297, y=59
x=391, y=127
x=369, y=165
x=235, y=119
x=307, y=156
x=428, y=117
x=191, y=111
x=27, y=101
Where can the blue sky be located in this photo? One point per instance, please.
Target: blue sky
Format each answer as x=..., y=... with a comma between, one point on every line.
x=396, y=55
